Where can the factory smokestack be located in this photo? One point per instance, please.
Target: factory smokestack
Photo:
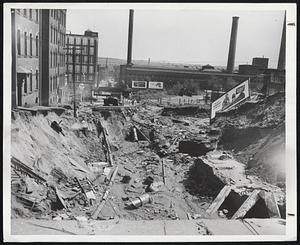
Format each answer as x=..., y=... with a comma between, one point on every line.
x=281, y=59
x=130, y=30
x=232, y=45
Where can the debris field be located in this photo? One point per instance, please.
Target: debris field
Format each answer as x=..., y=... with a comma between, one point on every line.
x=147, y=162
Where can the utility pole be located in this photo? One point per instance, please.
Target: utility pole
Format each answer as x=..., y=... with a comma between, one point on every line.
x=73, y=76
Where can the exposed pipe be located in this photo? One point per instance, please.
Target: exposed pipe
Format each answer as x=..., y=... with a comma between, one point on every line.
x=232, y=45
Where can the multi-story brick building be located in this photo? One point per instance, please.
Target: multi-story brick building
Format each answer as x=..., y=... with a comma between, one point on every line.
x=53, y=59
x=38, y=54
x=26, y=57
x=85, y=59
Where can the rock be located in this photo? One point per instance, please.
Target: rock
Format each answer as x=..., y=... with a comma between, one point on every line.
x=154, y=187
x=148, y=181
x=57, y=218
x=81, y=218
x=126, y=179
x=64, y=216
x=125, y=198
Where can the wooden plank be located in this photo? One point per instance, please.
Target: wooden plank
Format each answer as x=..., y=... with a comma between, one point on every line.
x=247, y=205
x=113, y=176
x=219, y=199
x=271, y=204
x=18, y=165
x=142, y=133
x=101, y=205
x=163, y=171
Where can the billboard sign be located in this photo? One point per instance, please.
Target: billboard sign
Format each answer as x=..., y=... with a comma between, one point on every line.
x=156, y=85
x=230, y=99
x=139, y=84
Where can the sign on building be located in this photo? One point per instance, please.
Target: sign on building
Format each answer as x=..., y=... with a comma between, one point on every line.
x=156, y=85
x=230, y=99
x=139, y=84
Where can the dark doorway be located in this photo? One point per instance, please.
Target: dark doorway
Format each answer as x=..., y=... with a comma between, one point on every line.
x=20, y=79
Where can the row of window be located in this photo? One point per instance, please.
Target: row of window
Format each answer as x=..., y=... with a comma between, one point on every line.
x=56, y=82
x=82, y=41
x=81, y=50
x=79, y=78
x=56, y=59
x=28, y=41
x=58, y=15
x=28, y=85
x=32, y=14
x=85, y=59
x=57, y=37
x=81, y=69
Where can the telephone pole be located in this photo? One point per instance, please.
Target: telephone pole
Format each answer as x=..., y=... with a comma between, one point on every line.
x=73, y=77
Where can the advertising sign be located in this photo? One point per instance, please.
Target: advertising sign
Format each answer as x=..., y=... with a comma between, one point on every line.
x=139, y=84
x=231, y=98
x=156, y=85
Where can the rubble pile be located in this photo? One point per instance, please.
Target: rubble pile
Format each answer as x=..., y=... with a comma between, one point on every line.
x=129, y=163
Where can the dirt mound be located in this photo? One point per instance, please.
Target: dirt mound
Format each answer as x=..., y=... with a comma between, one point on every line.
x=265, y=114
x=256, y=134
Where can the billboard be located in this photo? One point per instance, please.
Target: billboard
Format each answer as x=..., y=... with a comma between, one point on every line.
x=139, y=84
x=156, y=85
x=230, y=99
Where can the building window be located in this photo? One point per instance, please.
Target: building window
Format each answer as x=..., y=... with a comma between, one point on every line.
x=51, y=12
x=25, y=12
x=37, y=15
x=30, y=14
x=25, y=43
x=30, y=81
x=51, y=34
x=50, y=59
x=51, y=82
x=37, y=79
x=30, y=44
x=19, y=42
x=36, y=46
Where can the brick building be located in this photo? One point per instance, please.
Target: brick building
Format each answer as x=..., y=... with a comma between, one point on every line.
x=85, y=59
x=25, y=35
x=52, y=56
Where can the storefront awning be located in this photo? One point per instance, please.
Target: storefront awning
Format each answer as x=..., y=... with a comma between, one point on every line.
x=21, y=69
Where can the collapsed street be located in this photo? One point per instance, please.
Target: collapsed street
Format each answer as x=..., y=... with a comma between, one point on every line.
x=148, y=162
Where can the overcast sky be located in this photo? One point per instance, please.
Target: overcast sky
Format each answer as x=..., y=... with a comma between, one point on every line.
x=182, y=35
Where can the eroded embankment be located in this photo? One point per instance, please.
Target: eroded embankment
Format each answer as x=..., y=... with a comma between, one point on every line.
x=256, y=135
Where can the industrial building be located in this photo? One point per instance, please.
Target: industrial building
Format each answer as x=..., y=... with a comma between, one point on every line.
x=85, y=63
x=25, y=40
x=208, y=78
x=86, y=56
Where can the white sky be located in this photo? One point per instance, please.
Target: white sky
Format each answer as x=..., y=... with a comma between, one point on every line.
x=182, y=35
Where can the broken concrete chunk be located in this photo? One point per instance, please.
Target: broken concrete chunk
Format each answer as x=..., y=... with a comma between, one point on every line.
x=81, y=218
x=90, y=195
x=126, y=179
x=154, y=187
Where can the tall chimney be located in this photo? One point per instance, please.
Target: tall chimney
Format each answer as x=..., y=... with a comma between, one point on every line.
x=281, y=59
x=232, y=45
x=130, y=30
